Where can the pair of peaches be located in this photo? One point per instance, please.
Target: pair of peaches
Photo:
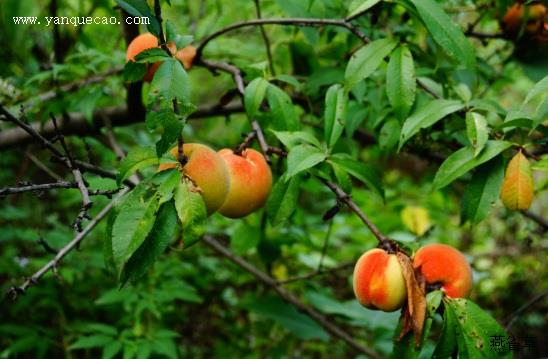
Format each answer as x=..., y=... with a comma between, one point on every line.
x=379, y=282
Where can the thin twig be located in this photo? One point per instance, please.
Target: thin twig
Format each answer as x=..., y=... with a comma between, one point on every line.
x=52, y=264
x=265, y=39
x=289, y=297
x=541, y=221
x=82, y=186
x=283, y=21
x=316, y=273
x=520, y=310
x=345, y=198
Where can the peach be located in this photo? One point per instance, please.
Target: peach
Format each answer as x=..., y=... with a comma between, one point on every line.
x=444, y=265
x=207, y=170
x=534, y=14
x=379, y=282
x=250, y=182
x=147, y=41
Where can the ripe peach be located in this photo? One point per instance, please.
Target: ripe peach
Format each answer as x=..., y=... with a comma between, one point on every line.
x=250, y=182
x=186, y=56
x=444, y=265
x=148, y=41
x=378, y=281
x=534, y=14
x=207, y=170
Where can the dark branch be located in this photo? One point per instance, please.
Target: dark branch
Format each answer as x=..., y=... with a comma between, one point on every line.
x=284, y=21
x=289, y=297
x=52, y=264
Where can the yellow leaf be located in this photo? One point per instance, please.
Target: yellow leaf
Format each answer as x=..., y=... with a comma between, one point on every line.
x=416, y=219
x=517, y=188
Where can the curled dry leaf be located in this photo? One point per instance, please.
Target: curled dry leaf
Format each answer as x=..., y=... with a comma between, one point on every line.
x=517, y=187
x=415, y=310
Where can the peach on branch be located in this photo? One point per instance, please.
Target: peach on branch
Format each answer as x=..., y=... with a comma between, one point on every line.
x=250, y=182
x=147, y=41
x=379, y=282
x=443, y=265
x=207, y=170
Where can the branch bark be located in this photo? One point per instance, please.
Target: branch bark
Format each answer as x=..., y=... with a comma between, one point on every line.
x=289, y=297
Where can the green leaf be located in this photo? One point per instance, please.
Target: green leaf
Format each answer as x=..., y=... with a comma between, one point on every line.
x=444, y=31
x=448, y=340
x=172, y=130
x=170, y=82
x=134, y=71
x=463, y=160
x=303, y=157
x=540, y=87
x=92, y=341
x=167, y=181
x=290, y=139
x=483, y=191
x=158, y=239
x=139, y=8
x=401, y=82
x=152, y=55
x=283, y=112
x=110, y=350
x=336, y=102
x=299, y=324
x=136, y=159
x=283, y=199
x=427, y=116
x=362, y=171
x=476, y=328
x=245, y=238
x=343, y=179
x=476, y=130
x=192, y=212
x=366, y=60
x=134, y=221
x=358, y=7
x=390, y=134
x=254, y=95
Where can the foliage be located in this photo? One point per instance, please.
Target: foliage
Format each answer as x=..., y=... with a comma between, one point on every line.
x=404, y=105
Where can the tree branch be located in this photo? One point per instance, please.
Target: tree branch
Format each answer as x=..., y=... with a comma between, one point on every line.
x=52, y=264
x=289, y=297
x=283, y=21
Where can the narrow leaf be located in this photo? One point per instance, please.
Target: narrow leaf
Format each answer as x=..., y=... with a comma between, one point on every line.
x=463, y=160
x=366, y=61
x=401, y=82
x=445, y=32
x=336, y=101
x=283, y=112
x=254, y=95
x=192, y=212
x=427, y=116
x=483, y=190
x=361, y=171
x=303, y=157
x=359, y=7
x=476, y=130
x=283, y=199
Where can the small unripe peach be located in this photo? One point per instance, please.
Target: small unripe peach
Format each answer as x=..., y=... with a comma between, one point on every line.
x=444, y=265
x=379, y=282
x=207, y=170
x=250, y=182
